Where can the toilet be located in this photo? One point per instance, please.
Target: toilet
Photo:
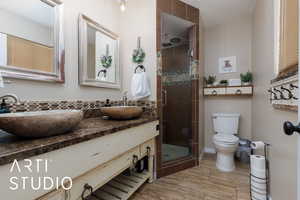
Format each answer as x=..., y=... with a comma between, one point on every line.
x=225, y=140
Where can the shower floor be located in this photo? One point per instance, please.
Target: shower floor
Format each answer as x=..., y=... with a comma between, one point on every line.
x=172, y=152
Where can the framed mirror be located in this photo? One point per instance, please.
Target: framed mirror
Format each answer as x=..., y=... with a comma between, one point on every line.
x=31, y=40
x=98, y=55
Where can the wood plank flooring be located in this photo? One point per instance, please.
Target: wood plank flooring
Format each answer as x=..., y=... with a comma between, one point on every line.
x=204, y=182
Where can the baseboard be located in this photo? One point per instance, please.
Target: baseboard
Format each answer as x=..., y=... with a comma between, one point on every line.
x=209, y=150
x=201, y=155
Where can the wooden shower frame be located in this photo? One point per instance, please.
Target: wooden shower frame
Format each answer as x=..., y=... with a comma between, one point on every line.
x=186, y=12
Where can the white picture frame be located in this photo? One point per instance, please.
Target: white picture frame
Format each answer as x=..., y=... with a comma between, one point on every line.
x=227, y=64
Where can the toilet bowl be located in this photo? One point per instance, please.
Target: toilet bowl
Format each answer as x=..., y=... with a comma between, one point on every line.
x=226, y=146
x=225, y=141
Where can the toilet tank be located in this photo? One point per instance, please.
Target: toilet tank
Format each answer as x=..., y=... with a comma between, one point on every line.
x=227, y=123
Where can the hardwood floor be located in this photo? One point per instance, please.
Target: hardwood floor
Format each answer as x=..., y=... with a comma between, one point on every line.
x=204, y=182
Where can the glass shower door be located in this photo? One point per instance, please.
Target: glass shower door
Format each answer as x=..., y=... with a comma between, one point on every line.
x=176, y=52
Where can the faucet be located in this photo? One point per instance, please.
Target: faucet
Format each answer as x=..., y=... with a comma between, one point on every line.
x=124, y=98
x=12, y=96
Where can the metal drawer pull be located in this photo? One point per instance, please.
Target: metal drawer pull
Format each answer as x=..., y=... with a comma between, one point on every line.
x=148, y=151
x=135, y=159
x=238, y=91
x=214, y=92
x=88, y=191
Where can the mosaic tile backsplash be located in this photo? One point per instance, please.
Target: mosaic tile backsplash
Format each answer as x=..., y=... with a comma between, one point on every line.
x=89, y=107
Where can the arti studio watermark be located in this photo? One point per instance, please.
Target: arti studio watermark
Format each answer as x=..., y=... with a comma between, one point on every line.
x=33, y=179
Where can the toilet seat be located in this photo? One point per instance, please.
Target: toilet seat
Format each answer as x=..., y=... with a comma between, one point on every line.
x=226, y=139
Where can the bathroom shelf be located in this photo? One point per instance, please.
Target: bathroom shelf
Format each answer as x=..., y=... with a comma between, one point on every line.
x=121, y=187
x=243, y=90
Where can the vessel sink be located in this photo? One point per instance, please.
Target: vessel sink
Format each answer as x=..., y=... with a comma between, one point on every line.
x=40, y=124
x=122, y=112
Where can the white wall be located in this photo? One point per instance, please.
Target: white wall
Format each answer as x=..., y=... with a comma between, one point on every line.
x=231, y=39
x=201, y=96
x=108, y=14
x=267, y=122
x=139, y=19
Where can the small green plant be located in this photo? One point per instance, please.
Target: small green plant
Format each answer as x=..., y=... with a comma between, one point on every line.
x=247, y=77
x=106, y=61
x=210, y=80
x=223, y=82
x=138, y=56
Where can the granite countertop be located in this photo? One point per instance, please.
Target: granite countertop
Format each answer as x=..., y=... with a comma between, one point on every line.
x=12, y=147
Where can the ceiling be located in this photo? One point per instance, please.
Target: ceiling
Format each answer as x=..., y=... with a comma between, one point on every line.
x=215, y=12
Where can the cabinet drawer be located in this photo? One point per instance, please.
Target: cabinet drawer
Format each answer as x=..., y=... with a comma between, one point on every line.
x=239, y=90
x=54, y=195
x=214, y=91
x=102, y=174
x=144, y=148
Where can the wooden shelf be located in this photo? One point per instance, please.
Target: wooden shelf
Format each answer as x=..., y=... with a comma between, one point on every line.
x=234, y=91
x=238, y=86
x=292, y=108
x=121, y=187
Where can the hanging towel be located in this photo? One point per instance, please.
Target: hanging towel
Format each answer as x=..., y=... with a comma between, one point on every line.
x=140, y=86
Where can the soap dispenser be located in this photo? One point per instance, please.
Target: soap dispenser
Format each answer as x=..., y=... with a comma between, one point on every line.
x=4, y=107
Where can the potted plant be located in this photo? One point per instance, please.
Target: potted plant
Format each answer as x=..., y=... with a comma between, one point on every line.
x=246, y=78
x=223, y=83
x=210, y=80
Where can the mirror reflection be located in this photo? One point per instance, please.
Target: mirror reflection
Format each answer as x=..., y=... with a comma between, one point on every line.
x=286, y=36
x=101, y=52
x=27, y=41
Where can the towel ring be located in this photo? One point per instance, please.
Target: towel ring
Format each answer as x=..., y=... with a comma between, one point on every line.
x=140, y=67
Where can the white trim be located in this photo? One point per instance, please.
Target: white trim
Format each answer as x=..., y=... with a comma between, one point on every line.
x=269, y=197
x=209, y=150
x=277, y=24
x=201, y=155
x=3, y=49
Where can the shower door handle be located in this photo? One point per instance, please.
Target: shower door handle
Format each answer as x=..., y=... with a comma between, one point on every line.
x=165, y=96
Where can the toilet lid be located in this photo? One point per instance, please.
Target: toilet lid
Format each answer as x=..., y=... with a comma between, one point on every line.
x=226, y=138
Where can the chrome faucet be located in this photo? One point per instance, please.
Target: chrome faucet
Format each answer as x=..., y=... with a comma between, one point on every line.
x=124, y=98
x=12, y=96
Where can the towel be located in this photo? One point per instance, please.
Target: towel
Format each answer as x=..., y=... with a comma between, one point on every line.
x=140, y=86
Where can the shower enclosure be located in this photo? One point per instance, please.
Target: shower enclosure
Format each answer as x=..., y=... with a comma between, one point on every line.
x=178, y=91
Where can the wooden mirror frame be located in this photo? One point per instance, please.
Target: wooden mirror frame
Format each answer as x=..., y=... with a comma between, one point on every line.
x=84, y=21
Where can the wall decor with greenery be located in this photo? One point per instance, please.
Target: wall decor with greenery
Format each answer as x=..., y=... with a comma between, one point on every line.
x=139, y=54
x=106, y=60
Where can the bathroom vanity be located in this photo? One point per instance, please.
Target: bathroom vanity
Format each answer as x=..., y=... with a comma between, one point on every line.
x=96, y=152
